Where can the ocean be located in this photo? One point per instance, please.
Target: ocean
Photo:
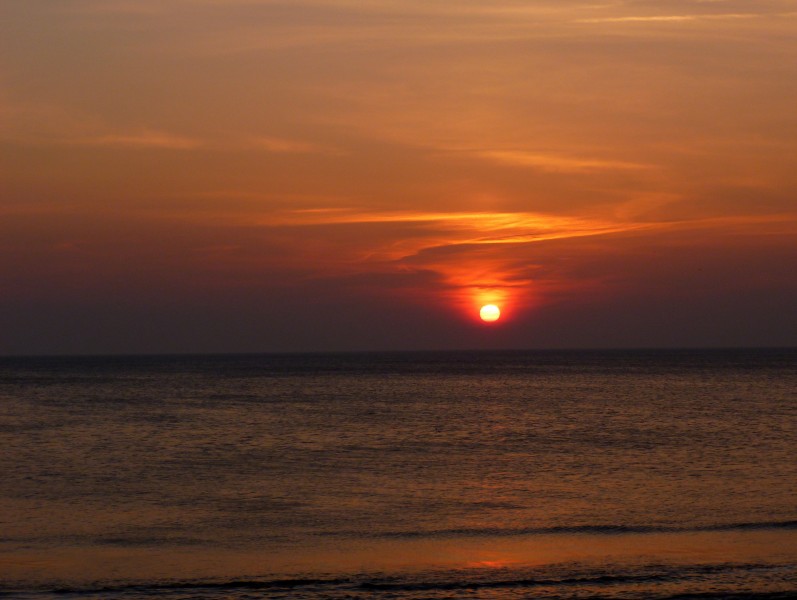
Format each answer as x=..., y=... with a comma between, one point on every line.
x=512, y=474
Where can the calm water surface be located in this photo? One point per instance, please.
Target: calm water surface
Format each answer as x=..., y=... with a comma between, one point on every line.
x=413, y=475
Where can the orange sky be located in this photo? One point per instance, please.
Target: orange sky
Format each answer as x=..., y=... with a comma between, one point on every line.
x=245, y=175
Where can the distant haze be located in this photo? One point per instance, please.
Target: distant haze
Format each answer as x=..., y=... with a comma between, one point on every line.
x=256, y=175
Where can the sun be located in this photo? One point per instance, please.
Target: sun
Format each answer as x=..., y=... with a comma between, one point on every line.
x=490, y=313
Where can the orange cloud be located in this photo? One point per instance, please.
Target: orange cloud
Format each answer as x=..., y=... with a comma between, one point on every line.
x=145, y=139
x=554, y=162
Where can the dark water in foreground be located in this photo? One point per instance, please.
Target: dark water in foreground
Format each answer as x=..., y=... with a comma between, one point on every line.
x=400, y=476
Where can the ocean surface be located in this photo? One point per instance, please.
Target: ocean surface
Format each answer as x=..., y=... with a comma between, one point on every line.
x=568, y=475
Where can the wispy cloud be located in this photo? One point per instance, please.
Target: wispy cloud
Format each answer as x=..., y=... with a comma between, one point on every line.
x=44, y=124
x=161, y=139
x=144, y=139
x=456, y=227
x=290, y=146
x=554, y=162
x=447, y=235
x=669, y=18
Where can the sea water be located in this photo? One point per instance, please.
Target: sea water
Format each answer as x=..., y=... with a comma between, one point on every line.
x=622, y=474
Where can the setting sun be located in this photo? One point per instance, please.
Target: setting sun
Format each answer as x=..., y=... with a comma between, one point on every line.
x=489, y=313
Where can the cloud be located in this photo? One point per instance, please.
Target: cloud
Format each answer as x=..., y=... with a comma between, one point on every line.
x=554, y=162
x=144, y=140
x=445, y=229
x=42, y=124
x=46, y=123
x=290, y=146
x=667, y=18
x=476, y=253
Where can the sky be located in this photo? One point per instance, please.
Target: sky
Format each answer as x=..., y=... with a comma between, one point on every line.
x=343, y=175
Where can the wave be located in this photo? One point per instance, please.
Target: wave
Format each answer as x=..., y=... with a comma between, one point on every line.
x=511, y=583
x=570, y=530
x=658, y=575
x=245, y=584
x=462, y=580
x=762, y=525
x=733, y=596
x=718, y=595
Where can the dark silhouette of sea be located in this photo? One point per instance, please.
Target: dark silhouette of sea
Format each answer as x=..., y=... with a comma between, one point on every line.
x=513, y=474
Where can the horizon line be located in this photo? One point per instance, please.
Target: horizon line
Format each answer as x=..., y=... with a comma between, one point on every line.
x=403, y=351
